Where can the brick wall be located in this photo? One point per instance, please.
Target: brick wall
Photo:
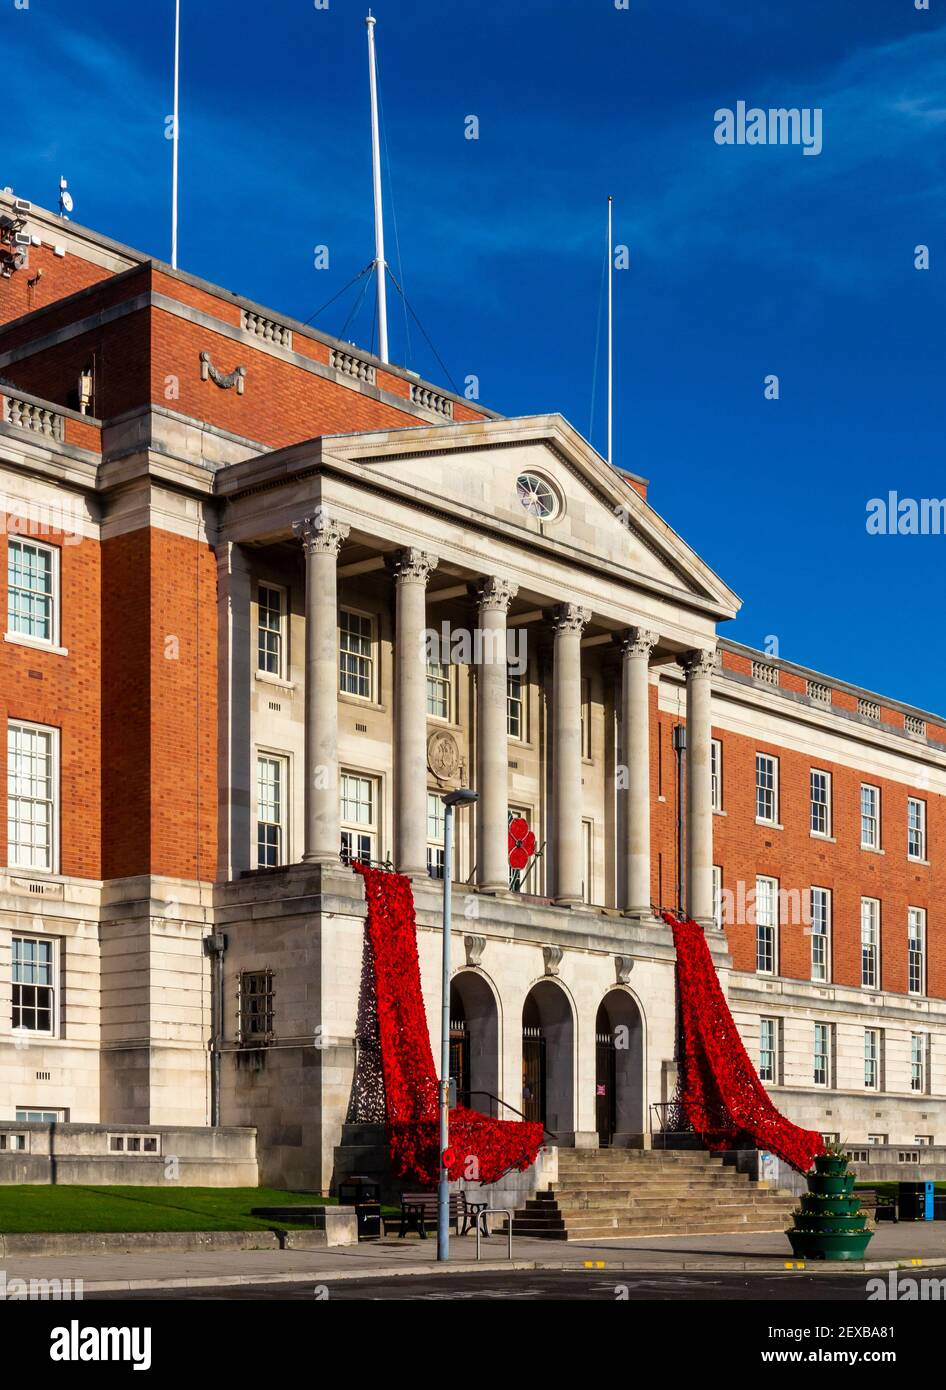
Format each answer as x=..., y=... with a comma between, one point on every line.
x=63, y=692
x=799, y=860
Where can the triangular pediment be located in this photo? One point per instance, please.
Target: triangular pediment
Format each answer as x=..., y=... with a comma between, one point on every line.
x=597, y=512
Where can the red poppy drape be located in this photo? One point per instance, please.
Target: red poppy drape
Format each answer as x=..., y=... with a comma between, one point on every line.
x=481, y=1149
x=720, y=1091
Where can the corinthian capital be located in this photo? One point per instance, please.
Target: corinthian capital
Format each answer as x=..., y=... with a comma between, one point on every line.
x=699, y=663
x=571, y=617
x=413, y=566
x=639, y=641
x=320, y=535
x=495, y=595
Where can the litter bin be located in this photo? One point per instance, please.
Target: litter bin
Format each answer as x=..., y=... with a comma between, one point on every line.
x=364, y=1194
x=915, y=1201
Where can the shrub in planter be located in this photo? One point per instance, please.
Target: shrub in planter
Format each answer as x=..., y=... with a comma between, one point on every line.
x=829, y=1224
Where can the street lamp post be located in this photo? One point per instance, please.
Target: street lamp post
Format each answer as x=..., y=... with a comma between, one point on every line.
x=463, y=797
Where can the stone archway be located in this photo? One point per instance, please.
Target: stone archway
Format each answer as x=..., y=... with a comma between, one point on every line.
x=474, y=1042
x=548, y=1059
x=619, y=1070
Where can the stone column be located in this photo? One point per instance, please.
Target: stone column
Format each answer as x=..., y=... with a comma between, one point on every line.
x=492, y=761
x=322, y=539
x=570, y=621
x=236, y=848
x=635, y=741
x=699, y=667
x=412, y=569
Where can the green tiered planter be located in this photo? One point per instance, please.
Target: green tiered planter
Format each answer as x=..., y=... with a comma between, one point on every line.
x=830, y=1225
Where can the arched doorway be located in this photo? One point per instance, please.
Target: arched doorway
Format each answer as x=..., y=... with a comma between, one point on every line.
x=474, y=1042
x=548, y=1058
x=619, y=1068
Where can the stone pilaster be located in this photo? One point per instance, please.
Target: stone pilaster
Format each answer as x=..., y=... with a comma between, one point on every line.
x=699, y=667
x=635, y=740
x=492, y=760
x=570, y=621
x=412, y=569
x=322, y=539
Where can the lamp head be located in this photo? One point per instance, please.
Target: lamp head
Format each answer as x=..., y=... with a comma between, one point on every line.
x=464, y=796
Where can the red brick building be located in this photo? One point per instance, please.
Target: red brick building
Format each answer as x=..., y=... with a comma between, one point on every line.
x=225, y=532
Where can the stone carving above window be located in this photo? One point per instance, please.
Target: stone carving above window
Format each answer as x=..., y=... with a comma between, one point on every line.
x=225, y=380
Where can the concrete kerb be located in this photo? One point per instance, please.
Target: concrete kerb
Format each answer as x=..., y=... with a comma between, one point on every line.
x=403, y=1271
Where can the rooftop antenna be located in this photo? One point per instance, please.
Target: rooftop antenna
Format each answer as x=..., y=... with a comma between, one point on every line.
x=380, y=264
x=65, y=199
x=174, y=136
x=610, y=325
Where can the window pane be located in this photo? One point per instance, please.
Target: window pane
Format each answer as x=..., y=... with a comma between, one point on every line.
x=269, y=814
x=30, y=590
x=269, y=644
x=355, y=672
x=30, y=791
x=765, y=787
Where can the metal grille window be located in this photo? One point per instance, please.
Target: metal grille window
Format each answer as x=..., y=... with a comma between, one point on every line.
x=768, y=1048
x=871, y=1059
x=766, y=917
x=870, y=943
x=270, y=629
x=870, y=817
x=515, y=725
x=435, y=823
x=822, y=1054
x=916, y=828
x=438, y=689
x=270, y=811
x=31, y=579
x=820, y=802
x=766, y=788
x=917, y=1062
x=916, y=950
x=256, y=1005
x=34, y=996
x=359, y=802
x=356, y=655
x=716, y=774
x=31, y=797
x=820, y=934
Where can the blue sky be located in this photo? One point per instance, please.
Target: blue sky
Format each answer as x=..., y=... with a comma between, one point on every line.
x=745, y=260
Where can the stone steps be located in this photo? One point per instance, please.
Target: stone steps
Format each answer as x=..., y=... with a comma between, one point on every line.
x=611, y=1193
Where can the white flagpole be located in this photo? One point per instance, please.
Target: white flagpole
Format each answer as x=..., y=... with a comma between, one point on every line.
x=379, y=261
x=610, y=327
x=177, y=78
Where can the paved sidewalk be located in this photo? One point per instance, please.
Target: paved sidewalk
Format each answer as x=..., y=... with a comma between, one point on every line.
x=904, y=1245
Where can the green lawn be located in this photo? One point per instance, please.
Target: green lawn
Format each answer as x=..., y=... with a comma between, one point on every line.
x=34, y=1209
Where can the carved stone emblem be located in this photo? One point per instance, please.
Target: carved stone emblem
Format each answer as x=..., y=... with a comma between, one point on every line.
x=443, y=755
x=475, y=946
x=623, y=965
x=225, y=380
x=552, y=956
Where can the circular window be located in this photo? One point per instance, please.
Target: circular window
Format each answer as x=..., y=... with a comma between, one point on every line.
x=537, y=496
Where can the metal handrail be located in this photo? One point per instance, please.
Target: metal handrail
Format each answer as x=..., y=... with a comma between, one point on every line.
x=495, y=1211
x=489, y=1096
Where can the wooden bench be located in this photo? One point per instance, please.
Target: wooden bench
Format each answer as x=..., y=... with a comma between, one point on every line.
x=419, y=1209
x=881, y=1205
